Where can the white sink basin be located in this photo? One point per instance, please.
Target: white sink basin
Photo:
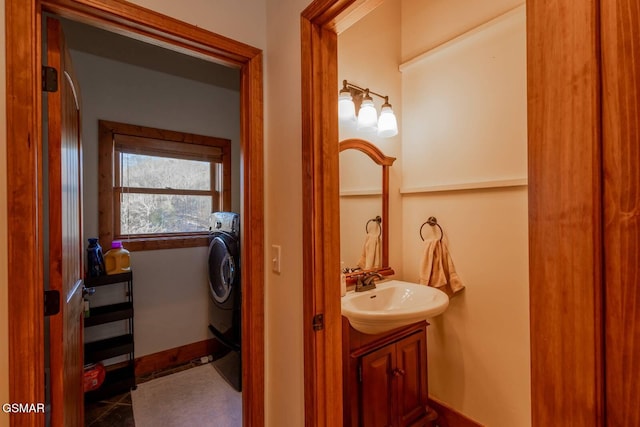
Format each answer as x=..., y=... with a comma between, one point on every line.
x=391, y=305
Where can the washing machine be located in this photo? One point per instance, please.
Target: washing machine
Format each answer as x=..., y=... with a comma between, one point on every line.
x=225, y=291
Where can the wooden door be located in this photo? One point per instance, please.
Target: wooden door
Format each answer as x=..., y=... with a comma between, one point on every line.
x=584, y=223
x=411, y=378
x=65, y=235
x=376, y=387
x=620, y=23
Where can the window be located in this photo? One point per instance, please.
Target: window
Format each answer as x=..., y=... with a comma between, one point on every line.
x=157, y=187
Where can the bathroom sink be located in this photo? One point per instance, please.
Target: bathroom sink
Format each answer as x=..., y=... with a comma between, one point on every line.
x=392, y=304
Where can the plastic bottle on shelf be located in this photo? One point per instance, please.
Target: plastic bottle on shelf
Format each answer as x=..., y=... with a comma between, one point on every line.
x=117, y=260
x=95, y=259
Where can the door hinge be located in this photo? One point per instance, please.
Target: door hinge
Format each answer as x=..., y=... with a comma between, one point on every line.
x=51, y=303
x=360, y=373
x=49, y=79
x=318, y=322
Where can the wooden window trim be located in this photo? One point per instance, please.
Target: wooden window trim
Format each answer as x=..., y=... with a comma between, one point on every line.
x=165, y=143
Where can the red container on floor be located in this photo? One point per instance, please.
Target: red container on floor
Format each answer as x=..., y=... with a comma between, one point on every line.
x=93, y=376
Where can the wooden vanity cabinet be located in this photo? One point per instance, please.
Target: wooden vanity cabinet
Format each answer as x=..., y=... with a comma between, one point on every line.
x=385, y=378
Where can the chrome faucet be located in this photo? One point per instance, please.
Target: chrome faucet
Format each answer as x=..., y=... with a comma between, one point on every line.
x=367, y=281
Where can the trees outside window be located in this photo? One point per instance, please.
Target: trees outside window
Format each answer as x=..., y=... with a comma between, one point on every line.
x=158, y=187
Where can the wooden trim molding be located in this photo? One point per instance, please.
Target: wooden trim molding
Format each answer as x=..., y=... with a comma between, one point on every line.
x=620, y=24
x=369, y=149
x=320, y=22
x=322, y=349
x=467, y=186
x=24, y=214
x=116, y=137
x=252, y=244
x=177, y=356
x=449, y=417
x=565, y=213
x=24, y=180
x=155, y=28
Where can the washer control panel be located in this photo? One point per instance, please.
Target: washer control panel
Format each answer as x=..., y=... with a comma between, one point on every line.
x=228, y=222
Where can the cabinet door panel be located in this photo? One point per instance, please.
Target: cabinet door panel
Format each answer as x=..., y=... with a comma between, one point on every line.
x=412, y=378
x=376, y=388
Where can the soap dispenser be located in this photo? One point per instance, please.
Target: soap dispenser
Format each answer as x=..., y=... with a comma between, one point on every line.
x=343, y=280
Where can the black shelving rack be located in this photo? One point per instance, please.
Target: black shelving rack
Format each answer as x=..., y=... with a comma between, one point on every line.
x=121, y=376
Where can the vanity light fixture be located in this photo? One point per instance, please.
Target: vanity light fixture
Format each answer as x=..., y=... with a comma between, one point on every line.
x=367, y=120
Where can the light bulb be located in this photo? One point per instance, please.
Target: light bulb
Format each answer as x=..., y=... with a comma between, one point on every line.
x=346, y=109
x=387, y=124
x=367, y=116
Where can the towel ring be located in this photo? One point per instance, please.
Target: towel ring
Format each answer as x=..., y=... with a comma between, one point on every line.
x=432, y=221
x=377, y=219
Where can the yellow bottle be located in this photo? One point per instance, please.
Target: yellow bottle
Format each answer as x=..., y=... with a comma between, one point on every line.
x=117, y=259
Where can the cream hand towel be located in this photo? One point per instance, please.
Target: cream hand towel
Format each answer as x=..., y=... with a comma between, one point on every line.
x=371, y=251
x=431, y=273
x=437, y=270
x=453, y=279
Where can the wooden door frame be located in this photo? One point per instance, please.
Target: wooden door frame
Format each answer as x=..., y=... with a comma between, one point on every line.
x=565, y=273
x=320, y=23
x=565, y=212
x=24, y=180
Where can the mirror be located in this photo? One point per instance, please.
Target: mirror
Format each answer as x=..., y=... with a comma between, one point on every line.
x=364, y=206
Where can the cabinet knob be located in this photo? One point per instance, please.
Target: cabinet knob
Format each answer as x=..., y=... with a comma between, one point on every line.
x=398, y=372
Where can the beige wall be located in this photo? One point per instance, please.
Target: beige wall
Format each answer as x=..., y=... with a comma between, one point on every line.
x=241, y=20
x=427, y=24
x=4, y=338
x=464, y=121
x=465, y=108
x=283, y=204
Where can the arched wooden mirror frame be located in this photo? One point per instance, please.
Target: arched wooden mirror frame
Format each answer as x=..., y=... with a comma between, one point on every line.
x=381, y=159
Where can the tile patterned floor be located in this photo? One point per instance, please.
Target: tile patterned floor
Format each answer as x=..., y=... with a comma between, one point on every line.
x=118, y=411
